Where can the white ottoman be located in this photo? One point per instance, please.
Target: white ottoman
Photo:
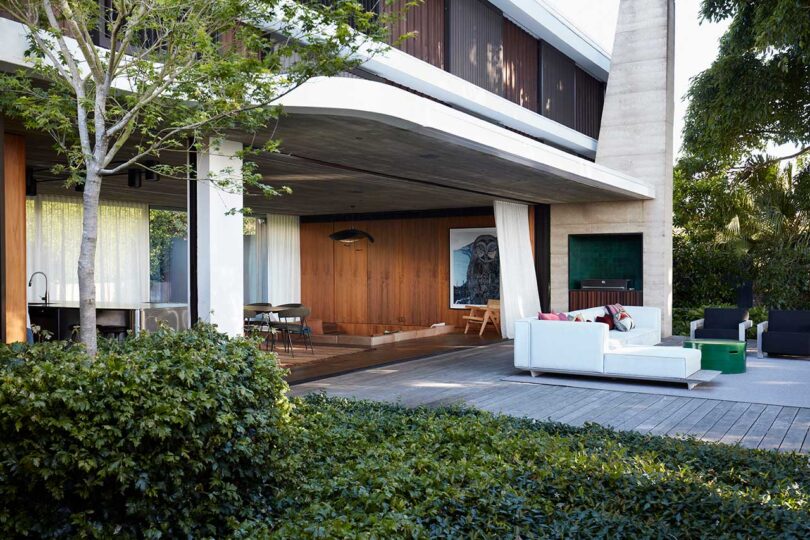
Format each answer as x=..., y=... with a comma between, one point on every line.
x=653, y=362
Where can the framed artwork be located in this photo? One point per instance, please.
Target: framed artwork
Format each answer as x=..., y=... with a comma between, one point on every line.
x=475, y=270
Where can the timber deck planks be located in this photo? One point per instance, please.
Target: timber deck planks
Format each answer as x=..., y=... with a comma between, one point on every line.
x=474, y=378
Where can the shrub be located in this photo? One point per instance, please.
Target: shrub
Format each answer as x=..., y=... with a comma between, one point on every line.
x=381, y=471
x=704, y=273
x=172, y=434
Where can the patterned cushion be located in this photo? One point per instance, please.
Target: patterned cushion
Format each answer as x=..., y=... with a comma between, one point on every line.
x=608, y=320
x=621, y=319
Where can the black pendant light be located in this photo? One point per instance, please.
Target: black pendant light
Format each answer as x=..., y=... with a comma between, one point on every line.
x=350, y=236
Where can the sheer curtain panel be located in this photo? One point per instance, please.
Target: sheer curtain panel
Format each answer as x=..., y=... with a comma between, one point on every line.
x=54, y=231
x=283, y=259
x=519, y=295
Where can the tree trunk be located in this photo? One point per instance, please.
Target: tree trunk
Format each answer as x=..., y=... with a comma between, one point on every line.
x=87, y=262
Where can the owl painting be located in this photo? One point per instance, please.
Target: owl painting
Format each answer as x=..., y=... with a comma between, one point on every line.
x=475, y=267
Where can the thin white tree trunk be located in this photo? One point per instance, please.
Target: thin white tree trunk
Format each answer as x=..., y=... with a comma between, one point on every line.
x=87, y=262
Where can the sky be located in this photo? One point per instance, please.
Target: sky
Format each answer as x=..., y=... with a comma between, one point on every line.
x=696, y=43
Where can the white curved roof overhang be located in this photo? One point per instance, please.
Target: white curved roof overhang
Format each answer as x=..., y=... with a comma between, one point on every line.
x=391, y=106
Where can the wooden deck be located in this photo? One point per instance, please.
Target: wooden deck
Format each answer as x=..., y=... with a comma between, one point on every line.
x=473, y=377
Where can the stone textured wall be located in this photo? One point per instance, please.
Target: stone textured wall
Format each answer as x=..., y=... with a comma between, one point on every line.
x=636, y=138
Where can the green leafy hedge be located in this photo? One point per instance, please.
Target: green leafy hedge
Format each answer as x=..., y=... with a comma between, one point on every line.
x=380, y=471
x=168, y=435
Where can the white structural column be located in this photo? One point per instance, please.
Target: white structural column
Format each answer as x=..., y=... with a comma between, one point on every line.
x=220, y=244
x=283, y=259
x=520, y=297
x=636, y=138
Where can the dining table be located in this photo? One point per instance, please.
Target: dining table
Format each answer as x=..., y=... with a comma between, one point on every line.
x=266, y=309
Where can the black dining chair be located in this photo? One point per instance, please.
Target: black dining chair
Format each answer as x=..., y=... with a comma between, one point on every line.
x=293, y=321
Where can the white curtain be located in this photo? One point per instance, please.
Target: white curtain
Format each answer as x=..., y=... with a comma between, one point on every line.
x=255, y=268
x=519, y=295
x=54, y=232
x=283, y=259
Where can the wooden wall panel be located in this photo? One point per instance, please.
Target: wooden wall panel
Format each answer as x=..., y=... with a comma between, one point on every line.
x=14, y=301
x=426, y=20
x=401, y=281
x=351, y=281
x=521, y=65
x=318, y=270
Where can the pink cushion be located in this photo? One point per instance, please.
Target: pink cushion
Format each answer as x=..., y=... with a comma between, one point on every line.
x=548, y=317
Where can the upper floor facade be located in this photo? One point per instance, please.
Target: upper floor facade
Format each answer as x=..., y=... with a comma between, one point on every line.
x=514, y=63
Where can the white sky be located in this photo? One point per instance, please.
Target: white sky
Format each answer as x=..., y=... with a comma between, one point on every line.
x=695, y=43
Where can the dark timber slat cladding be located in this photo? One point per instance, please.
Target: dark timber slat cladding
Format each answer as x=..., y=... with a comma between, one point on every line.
x=558, y=80
x=475, y=43
x=588, y=298
x=426, y=20
x=590, y=98
x=520, y=66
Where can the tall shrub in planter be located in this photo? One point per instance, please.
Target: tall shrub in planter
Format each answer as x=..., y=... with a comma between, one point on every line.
x=171, y=434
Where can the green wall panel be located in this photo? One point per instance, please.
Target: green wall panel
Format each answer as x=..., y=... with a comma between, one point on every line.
x=605, y=256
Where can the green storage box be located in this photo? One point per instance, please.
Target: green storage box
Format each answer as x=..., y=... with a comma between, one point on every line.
x=719, y=354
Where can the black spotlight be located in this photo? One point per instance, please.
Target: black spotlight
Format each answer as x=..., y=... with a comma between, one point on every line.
x=149, y=174
x=134, y=177
x=30, y=182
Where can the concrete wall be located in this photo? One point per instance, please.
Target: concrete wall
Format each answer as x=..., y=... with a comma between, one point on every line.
x=636, y=138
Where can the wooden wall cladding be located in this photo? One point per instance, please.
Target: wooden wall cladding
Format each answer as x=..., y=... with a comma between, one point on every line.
x=14, y=301
x=590, y=98
x=520, y=66
x=475, y=43
x=584, y=299
x=557, y=100
x=401, y=281
x=426, y=20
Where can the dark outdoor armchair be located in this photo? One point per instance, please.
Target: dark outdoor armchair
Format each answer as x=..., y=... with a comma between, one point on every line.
x=785, y=332
x=721, y=323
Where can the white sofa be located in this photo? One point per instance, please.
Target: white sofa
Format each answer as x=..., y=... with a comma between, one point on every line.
x=589, y=348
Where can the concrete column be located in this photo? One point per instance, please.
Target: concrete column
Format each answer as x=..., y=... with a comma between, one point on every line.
x=219, y=237
x=636, y=138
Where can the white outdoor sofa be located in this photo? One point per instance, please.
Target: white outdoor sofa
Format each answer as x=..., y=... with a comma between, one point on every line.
x=589, y=348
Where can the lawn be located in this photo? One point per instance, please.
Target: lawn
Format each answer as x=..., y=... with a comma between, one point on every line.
x=385, y=471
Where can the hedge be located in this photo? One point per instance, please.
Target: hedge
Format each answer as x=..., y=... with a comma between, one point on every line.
x=382, y=471
x=167, y=435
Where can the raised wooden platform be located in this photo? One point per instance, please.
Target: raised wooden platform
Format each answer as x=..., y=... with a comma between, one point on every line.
x=696, y=378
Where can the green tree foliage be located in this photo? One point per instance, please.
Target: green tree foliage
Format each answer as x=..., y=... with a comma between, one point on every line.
x=750, y=225
x=168, y=71
x=757, y=91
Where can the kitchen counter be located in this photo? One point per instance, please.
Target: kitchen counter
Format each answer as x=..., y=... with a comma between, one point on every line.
x=61, y=318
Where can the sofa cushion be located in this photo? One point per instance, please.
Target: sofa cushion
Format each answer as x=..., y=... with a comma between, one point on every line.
x=606, y=319
x=549, y=317
x=718, y=333
x=789, y=321
x=791, y=343
x=636, y=336
x=724, y=318
x=621, y=319
x=669, y=362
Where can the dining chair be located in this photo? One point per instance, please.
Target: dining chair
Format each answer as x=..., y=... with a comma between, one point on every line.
x=293, y=321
